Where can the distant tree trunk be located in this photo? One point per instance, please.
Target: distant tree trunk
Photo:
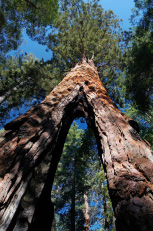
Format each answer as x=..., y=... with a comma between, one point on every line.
x=33, y=143
x=73, y=197
x=53, y=227
x=86, y=213
x=106, y=222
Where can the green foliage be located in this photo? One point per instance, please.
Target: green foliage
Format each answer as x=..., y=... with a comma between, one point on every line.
x=34, y=15
x=85, y=29
x=23, y=79
x=79, y=160
x=66, y=172
x=139, y=76
x=144, y=8
x=101, y=212
x=145, y=122
x=139, y=68
x=2, y=131
x=81, y=28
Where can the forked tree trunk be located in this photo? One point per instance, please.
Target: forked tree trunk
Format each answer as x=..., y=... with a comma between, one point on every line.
x=33, y=144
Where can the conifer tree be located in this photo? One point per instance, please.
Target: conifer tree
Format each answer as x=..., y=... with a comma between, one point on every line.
x=86, y=30
x=32, y=15
x=80, y=190
x=23, y=80
x=69, y=213
x=139, y=58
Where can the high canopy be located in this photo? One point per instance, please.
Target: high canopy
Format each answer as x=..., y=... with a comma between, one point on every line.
x=33, y=143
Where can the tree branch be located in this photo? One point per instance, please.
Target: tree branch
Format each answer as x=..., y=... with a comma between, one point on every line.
x=31, y=4
x=14, y=89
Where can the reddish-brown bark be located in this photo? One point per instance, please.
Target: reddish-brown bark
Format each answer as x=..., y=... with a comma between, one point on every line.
x=33, y=143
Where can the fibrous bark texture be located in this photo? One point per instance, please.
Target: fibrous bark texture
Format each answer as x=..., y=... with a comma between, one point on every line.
x=33, y=143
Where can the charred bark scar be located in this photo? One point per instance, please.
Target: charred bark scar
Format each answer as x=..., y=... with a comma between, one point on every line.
x=134, y=125
x=87, y=83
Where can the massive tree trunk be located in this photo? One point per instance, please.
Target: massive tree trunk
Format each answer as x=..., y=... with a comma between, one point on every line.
x=33, y=144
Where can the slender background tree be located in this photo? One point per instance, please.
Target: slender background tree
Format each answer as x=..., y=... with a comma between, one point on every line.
x=80, y=191
x=139, y=69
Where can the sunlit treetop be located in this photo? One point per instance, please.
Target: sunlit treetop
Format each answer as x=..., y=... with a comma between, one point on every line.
x=86, y=30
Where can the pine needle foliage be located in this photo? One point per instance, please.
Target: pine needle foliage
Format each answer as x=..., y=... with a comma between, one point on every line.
x=24, y=80
x=139, y=58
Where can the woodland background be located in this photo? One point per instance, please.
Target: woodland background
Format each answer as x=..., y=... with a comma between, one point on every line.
x=70, y=30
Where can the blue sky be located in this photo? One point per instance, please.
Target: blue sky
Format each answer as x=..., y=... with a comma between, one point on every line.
x=121, y=8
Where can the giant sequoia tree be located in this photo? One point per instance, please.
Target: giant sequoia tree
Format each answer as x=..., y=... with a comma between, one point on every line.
x=33, y=144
